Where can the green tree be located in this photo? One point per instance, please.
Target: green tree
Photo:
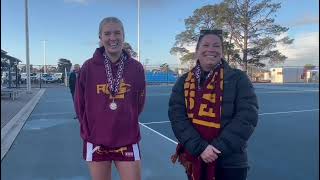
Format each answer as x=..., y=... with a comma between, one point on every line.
x=4, y=65
x=207, y=17
x=4, y=61
x=52, y=69
x=250, y=31
x=164, y=67
x=64, y=63
x=254, y=30
x=309, y=66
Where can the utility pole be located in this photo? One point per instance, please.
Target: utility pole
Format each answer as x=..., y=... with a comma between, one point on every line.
x=27, y=48
x=44, y=56
x=138, y=30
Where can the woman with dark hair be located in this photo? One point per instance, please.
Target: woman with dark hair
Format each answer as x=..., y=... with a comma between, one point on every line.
x=213, y=111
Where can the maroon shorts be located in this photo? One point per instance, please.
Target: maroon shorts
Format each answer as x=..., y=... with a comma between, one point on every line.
x=93, y=152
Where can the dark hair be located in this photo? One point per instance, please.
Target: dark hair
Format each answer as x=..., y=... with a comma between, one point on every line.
x=204, y=32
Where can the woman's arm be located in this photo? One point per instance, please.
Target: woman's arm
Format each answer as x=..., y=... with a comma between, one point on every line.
x=234, y=136
x=142, y=90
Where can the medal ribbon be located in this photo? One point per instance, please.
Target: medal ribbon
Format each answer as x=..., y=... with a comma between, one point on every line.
x=114, y=83
x=197, y=72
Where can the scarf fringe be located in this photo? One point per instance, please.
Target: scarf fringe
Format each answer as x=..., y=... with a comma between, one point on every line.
x=182, y=159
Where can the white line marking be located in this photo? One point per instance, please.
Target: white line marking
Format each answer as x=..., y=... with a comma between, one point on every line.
x=159, y=133
x=289, y=91
x=257, y=92
x=11, y=130
x=283, y=84
x=48, y=114
x=287, y=112
x=156, y=122
x=56, y=101
x=158, y=94
x=261, y=114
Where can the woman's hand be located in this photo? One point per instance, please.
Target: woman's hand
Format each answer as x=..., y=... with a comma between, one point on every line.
x=210, y=154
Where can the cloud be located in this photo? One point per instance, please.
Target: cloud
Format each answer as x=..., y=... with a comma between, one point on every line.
x=305, y=20
x=304, y=50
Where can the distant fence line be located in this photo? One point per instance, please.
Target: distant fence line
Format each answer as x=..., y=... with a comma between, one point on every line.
x=154, y=73
x=165, y=73
x=41, y=75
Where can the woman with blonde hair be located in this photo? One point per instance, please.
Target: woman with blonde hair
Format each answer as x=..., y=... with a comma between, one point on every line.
x=110, y=96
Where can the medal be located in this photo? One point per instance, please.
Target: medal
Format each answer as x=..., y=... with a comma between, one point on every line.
x=113, y=105
x=114, y=83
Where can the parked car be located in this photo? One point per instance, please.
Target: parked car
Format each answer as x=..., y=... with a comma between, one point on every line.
x=5, y=75
x=57, y=77
x=33, y=77
x=47, y=78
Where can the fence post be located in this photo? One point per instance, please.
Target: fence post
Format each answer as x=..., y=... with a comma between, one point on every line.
x=40, y=78
x=65, y=77
x=167, y=76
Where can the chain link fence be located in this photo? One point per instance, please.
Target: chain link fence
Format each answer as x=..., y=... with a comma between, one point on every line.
x=163, y=74
x=40, y=76
x=50, y=76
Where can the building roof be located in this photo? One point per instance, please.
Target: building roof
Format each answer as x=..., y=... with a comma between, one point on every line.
x=3, y=52
x=11, y=59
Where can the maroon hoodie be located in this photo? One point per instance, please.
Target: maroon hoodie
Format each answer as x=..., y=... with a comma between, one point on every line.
x=98, y=123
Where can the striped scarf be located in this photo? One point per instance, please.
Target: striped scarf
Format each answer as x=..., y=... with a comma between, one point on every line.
x=204, y=110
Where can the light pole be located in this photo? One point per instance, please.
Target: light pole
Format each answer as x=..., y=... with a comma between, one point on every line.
x=138, y=30
x=44, y=56
x=27, y=48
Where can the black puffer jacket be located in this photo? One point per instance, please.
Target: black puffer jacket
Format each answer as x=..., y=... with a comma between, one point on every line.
x=239, y=119
x=72, y=81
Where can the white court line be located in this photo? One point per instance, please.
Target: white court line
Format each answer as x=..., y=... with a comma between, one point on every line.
x=287, y=112
x=56, y=101
x=47, y=114
x=289, y=91
x=257, y=92
x=156, y=122
x=158, y=133
x=261, y=114
x=158, y=94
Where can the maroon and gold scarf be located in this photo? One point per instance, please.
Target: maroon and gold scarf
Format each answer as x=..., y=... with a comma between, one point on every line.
x=204, y=110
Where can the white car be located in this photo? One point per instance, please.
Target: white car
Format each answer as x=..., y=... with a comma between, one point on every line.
x=57, y=76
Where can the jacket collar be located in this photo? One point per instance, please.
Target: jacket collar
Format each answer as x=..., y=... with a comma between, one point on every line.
x=228, y=71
